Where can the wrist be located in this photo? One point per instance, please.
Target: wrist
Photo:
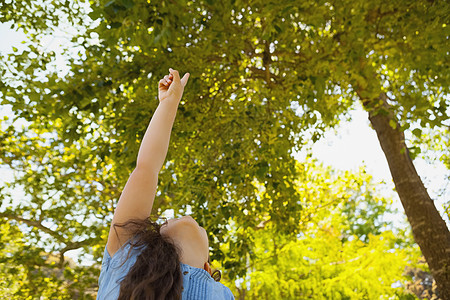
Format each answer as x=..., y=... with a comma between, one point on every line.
x=171, y=100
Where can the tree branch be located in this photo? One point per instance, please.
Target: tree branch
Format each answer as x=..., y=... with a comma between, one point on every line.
x=33, y=223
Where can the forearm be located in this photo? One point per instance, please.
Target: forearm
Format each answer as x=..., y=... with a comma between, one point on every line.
x=154, y=146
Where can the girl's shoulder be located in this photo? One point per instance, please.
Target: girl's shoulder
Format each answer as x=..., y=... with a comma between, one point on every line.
x=114, y=269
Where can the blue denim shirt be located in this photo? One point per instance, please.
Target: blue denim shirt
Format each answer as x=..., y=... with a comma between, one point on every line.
x=197, y=283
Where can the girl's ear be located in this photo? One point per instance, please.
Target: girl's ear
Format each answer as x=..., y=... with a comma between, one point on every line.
x=207, y=268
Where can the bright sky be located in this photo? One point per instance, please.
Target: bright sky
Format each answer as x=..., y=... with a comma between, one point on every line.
x=356, y=144
x=352, y=145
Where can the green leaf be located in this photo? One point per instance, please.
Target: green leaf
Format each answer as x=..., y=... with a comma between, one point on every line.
x=109, y=3
x=393, y=124
x=115, y=24
x=417, y=132
x=127, y=3
x=278, y=29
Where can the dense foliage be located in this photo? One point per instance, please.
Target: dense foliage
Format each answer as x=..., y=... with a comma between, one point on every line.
x=266, y=79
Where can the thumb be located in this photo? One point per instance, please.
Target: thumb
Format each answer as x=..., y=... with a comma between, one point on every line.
x=184, y=79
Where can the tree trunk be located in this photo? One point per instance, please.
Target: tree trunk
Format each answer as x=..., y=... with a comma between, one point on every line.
x=429, y=229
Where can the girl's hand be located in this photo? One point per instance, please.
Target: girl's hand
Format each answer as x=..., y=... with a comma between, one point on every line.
x=171, y=86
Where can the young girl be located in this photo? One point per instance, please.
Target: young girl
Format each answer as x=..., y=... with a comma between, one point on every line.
x=144, y=260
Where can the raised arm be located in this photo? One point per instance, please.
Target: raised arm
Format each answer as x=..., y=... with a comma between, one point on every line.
x=153, y=150
x=136, y=200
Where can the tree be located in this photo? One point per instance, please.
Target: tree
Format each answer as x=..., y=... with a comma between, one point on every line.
x=336, y=256
x=263, y=74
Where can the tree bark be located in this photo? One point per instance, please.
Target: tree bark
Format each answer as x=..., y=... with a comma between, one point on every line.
x=429, y=229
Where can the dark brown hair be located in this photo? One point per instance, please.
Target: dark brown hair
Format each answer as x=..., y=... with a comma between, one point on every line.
x=156, y=275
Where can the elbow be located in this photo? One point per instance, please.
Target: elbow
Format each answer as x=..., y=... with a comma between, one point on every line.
x=145, y=169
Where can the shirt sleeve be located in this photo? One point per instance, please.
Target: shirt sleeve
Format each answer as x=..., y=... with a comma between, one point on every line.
x=228, y=295
x=105, y=266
